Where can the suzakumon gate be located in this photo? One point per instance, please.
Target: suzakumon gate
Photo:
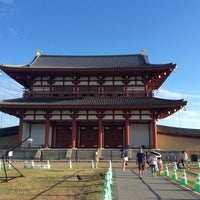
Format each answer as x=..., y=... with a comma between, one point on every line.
x=90, y=101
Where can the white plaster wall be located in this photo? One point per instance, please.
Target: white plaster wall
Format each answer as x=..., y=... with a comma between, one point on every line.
x=93, y=117
x=25, y=133
x=139, y=135
x=118, y=117
x=37, y=133
x=81, y=117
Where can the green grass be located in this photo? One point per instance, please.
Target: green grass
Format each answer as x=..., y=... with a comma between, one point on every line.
x=191, y=175
x=59, y=182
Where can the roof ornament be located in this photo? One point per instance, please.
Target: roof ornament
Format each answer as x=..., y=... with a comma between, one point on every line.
x=143, y=51
x=38, y=53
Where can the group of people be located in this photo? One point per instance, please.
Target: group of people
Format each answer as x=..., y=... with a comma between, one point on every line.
x=154, y=161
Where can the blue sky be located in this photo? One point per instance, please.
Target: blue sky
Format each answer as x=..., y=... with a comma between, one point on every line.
x=169, y=30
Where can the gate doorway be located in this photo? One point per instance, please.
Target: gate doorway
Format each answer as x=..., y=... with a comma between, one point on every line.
x=113, y=136
x=88, y=136
x=63, y=137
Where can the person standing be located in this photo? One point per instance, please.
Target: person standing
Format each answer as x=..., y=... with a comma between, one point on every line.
x=97, y=158
x=124, y=157
x=141, y=160
x=160, y=165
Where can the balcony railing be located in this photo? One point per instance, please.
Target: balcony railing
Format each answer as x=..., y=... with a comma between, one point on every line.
x=76, y=94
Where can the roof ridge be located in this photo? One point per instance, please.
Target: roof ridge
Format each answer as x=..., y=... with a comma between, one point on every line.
x=108, y=55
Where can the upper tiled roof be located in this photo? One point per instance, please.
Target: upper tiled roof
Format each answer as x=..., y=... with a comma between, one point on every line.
x=92, y=102
x=115, y=61
x=90, y=62
x=120, y=61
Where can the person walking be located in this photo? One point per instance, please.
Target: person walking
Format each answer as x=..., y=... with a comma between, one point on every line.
x=125, y=155
x=183, y=157
x=153, y=164
x=140, y=162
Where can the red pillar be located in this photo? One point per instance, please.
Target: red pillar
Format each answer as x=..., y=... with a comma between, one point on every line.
x=127, y=128
x=74, y=133
x=100, y=133
x=47, y=128
x=20, y=131
x=155, y=136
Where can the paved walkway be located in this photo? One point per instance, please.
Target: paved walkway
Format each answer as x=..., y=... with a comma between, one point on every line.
x=128, y=186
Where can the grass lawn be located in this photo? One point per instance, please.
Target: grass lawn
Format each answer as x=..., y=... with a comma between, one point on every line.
x=58, y=182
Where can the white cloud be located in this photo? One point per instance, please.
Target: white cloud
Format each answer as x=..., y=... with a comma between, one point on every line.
x=12, y=32
x=162, y=93
x=7, y=8
x=9, y=88
x=7, y=1
x=183, y=119
x=7, y=120
x=187, y=119
x=191, y=113
x=9, y=94
x=2, y=12
x=195, y=103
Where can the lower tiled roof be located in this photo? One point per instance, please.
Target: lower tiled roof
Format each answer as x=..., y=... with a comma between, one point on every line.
x=92, y=101
x=9, y=131
x=178, y=131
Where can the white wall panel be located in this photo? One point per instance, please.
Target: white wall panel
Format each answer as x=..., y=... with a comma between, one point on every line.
x=139, y=135
x=37, y=132
x=81, y=117
x=39, y=117
x=93, y=117
x=146, y=117
x=29, y=117
x=119, y=117
x=66, y=117
x=135, y=117
x=108, y=117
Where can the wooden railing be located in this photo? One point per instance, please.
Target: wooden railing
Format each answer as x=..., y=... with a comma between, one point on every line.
x=27, y=94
